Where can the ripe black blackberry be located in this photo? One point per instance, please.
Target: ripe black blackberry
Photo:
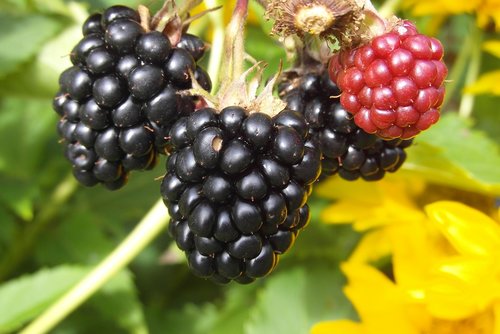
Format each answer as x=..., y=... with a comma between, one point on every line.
x=236, y=188
x=347, y=150
x=120, y=98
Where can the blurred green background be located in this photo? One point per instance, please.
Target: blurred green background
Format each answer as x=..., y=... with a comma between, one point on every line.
x=52, y=233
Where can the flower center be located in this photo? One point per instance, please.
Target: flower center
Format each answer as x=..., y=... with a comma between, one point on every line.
x=314, y=20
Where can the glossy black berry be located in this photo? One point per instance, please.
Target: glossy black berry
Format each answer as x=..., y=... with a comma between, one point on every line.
x=127, y=114
x=120, y=98
x=92, y=24
x=194, y=45
x=145, y=81
x=136, y=141
x=121, y=35
x=94, y=116
x=345, y=148
x=178, y=68
x=117, y=12
x=153, y=48
x=100, y=61
x=109, y=91
x=239, y=182
x=107, y=145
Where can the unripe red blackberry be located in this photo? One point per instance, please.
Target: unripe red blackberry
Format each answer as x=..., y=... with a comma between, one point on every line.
x=121, y=96
x=393, y=85
x=347, y=150
x=236, y=188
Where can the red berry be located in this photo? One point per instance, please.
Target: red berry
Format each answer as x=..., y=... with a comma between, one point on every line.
x=394, y=84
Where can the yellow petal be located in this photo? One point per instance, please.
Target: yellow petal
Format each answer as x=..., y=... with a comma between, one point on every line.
x=496, y=318
x=337, y=188
x=382, y=307
x=373, y=246
x=492, y=47
x=344, y=212
x=413, y=253
x=487, y=11
x=462, y=287
x=468, y=230
x=337, y=327
x=429, y=7
x=486, y=84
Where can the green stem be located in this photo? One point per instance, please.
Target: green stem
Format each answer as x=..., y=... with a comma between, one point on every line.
x=148, y=228
x=24, y=244
x=217, y=49
x=467, y=102
x=458, y=69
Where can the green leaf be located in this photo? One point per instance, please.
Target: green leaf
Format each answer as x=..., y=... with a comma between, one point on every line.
x=76, y=239
x=26, y=128
x=293, y=301
x=208, y=318
x=21, y=38
x=8, y=228
x=25, y=297
x=42, y=74
x=321, y=241
x=264, y=48
x=118, y=302
x=18, y=196
x=452, y=153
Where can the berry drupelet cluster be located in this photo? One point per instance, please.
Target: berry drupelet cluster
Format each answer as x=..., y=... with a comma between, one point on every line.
x=346, y=148
x=119, y=99
x=393, y=85
x=236, y=189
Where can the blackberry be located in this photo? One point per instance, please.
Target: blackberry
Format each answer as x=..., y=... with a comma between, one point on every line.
x=236, y=188
x=120, y=98
x=347, y=150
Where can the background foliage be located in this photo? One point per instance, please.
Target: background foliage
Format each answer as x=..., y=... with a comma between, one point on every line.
x=52, y=234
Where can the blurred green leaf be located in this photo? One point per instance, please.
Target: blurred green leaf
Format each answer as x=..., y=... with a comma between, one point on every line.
x=118, y=302
x=116, y=210
x=228, y=316
x=76, y=239
x=453, y=153
x=42, y=74
x=292, y=301
x=26, y=125
x=18, y=196
x=321, y=241
x=21, y=38
x=8, y=229
x=264, y=48
x=25, y=297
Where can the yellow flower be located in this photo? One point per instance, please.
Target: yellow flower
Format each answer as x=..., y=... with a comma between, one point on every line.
x=485, y=10
x=373, y=207
x=446, y=278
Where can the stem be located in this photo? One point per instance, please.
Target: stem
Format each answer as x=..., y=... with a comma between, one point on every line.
x=217, y=49
x=459, y=67
x=26, y=240
x=467, y=102
x=234, y=48
x=148, y=228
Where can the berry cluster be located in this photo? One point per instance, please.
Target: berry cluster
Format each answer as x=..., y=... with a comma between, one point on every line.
x=394, y=84
x=119, y=99
x=236, y=188
x=346, y=148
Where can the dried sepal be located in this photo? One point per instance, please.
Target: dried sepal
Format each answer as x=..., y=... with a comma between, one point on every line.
x=243, y=92
x=328, y=19
x=172, y=20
